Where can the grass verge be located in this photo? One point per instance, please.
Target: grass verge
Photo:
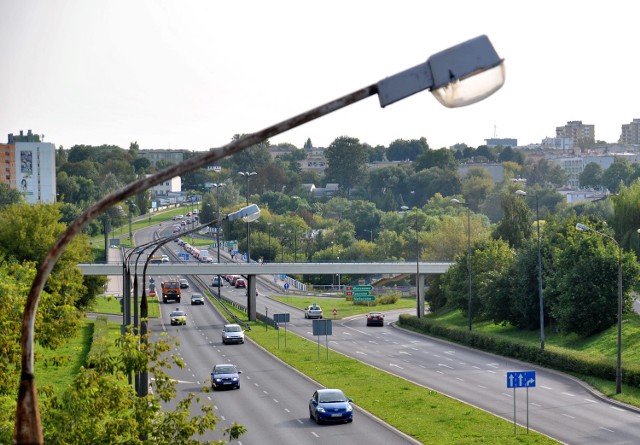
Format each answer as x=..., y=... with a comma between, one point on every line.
x=344, y=308
x=110, y=305
x=421, y=413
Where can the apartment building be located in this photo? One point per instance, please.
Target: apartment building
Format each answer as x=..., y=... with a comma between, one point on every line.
x=630, y=134
x=30, y=167
x=581, y=135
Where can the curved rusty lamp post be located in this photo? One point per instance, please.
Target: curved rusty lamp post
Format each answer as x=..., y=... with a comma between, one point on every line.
x=459, y=76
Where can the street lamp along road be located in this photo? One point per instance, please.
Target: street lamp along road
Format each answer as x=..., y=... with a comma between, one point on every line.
x=583, y=228
x=419, y=297
x=217, y=187
x=456, y=201
x=459, y=76
x=248, y=214
x=248, y=175
x=540, y=301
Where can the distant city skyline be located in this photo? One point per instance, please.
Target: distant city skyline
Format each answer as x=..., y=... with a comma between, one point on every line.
x=190, y=75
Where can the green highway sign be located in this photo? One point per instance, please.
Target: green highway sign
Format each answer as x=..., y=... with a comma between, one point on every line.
x=364, y=298
x=360, y=293
x=362, y=287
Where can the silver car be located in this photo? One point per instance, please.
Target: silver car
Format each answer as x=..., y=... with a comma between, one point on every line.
x=232, y=333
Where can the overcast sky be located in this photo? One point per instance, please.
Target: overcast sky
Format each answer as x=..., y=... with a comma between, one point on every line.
x=189, y=74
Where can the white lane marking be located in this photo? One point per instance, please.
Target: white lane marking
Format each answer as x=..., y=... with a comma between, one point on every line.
x=483, y=387
x=508, y=395
x=589, y=400
x=404, y=352
x=396, y=366
x=493, y=365
x=287, y=410
x=265, y=392
x=458, y=378
x=492, y=372
x=360, y=352
x=606, y=429
x=313, y=432
x=545, y=387
x=568, y=394
x=444, y=366
x=475, y=367
x=222, y=418
x=536, y=405
x=276, y=400
x=440, y=372
x=567, y=415
x=300, y=421
x=617, y=409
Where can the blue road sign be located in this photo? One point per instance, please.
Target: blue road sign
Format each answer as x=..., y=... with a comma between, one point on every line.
x=521, y=379
x=286, y=285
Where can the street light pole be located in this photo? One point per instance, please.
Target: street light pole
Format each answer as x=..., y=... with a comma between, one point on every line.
x=468, y=255
x=540, y=300
x=583, y=228
x=419, y=306
x=248, y=175
x=445, y=74
x=217, y=187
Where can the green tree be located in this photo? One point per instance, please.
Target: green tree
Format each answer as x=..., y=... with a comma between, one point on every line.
x=617, y=174
x=8, y=196
x=515, y=226
x=403, y=150
x=347, y=162
x=584, y=297
x=591, y=176
x=626, y=216
x=442, y=158
x=476, y=187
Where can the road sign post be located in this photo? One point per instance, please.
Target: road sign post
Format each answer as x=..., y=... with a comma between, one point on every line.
x=521, y=379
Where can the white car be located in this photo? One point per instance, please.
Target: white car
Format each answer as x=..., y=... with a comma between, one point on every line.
x=197, y=298
x=313, y=311
x=232, y=333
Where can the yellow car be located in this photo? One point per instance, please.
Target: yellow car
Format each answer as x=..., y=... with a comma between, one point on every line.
x=178, y=317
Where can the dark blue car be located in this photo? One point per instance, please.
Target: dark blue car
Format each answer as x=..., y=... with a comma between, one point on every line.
x=330, y=405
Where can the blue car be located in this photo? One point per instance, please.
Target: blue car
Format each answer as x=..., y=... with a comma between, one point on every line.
x=330, y=405
x=225, y=376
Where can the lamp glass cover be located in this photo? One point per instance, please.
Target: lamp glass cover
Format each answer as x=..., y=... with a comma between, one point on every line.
x=471, y=89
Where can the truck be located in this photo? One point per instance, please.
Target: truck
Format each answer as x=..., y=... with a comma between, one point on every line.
x=170, y=290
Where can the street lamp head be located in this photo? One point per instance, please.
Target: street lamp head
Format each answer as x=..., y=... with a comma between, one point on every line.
x=247, y=174
x=457, y=201
x=248, y=214
x=582, y=227
x=404, y=208
x=461, y=75
x=521, y=192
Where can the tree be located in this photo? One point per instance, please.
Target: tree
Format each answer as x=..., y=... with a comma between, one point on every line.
x=585, y=295
x=616, y=175
x=515, y=226
x=476, y=187
x=8, y=196
x=442, y=158
x=402, y=150
x=591, y=176
x=347, y=159
x=626, y=216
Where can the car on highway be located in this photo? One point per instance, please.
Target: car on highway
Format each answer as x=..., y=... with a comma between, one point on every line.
x=240, y=282
x=217, y=282
x=184, y=283
x=232, y=333
x=178, y=317
x=197, y=298
x=225, y=375
x=313, y=311
x=330, y=405
x=375, y=319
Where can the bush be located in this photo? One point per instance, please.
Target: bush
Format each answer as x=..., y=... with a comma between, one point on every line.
x=388, y=299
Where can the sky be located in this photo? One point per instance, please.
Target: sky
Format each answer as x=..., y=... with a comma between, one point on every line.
x=191, y=74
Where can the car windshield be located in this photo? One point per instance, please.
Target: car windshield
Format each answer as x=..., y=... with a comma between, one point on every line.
x=196, y=296
x=233, y=328
x=224, y=370
x=332, y=397
x=177, y=314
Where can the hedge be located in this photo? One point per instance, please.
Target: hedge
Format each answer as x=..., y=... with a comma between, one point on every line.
x=99, y=342
x=552, y=357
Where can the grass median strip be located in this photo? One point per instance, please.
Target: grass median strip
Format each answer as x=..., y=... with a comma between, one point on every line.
x=419, y=412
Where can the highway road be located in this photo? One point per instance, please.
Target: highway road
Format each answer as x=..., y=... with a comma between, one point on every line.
x=272, y=402
x=559, y=406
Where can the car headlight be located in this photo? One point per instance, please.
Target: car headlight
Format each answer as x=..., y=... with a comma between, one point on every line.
x=349, y=408
x=320, y=409
x=218, y=380
x=235, y=379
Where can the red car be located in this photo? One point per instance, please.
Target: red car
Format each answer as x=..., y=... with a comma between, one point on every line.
x=240, y=282
x=375, y=319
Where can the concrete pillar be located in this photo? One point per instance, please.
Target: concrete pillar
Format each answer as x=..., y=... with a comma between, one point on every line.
x=251, y=297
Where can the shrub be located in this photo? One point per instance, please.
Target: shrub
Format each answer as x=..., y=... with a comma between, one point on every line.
x=99, y=342
x=388, y=299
